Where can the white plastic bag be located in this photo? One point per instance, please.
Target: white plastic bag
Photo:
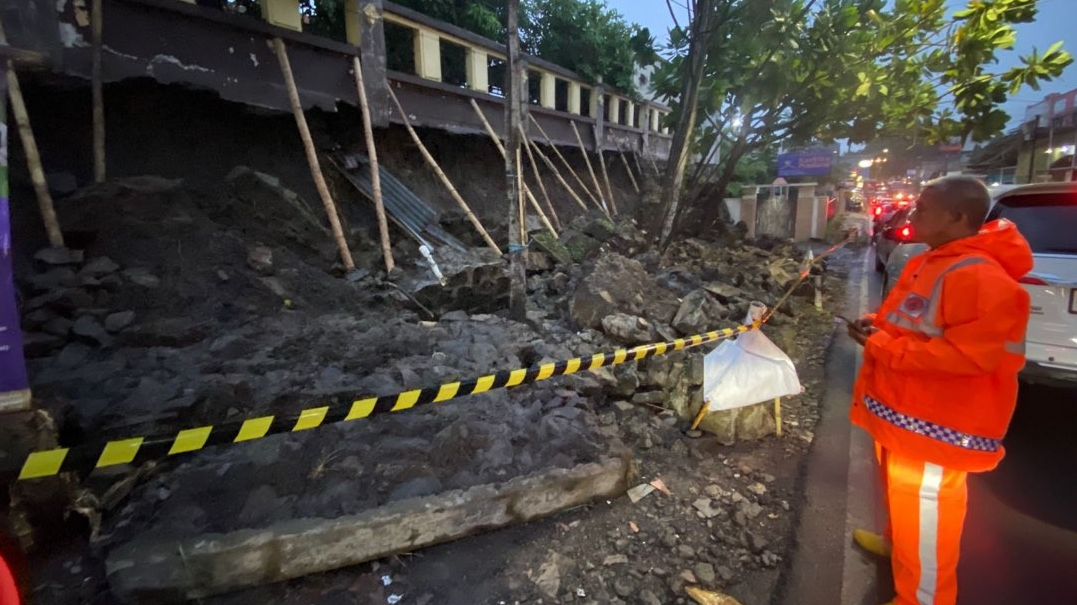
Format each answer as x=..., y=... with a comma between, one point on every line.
x=748, y=370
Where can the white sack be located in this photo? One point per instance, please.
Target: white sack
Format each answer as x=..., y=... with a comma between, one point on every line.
x=748, y=370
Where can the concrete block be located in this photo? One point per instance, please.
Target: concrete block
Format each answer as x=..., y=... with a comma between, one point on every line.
x=148, y=570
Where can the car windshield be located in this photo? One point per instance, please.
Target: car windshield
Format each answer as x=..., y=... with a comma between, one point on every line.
x=1047, y=220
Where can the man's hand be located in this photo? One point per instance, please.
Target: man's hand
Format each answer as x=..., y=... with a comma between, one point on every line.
x=860, y=330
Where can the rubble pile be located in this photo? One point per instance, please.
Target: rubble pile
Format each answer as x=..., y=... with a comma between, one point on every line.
x=177, y=308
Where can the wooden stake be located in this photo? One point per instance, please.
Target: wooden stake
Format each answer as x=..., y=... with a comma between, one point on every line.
x=312, y=155
x=631, y=176
x=778, y=415
x=441, y=175
x=560, y=179
x=522, y=183
x=571, y=171
x=602, y=162
x=542, y=186
x=699, y=416
x=33, y=158
x=654, y=165
x=375, y=173
x=96, y=22
x=590, y=169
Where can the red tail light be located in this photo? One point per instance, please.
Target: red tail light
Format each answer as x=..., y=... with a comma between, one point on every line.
x=1033, y=281
x=906, y=233
x=878, y=211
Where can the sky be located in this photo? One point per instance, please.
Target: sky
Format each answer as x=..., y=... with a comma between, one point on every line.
x=1054, y=22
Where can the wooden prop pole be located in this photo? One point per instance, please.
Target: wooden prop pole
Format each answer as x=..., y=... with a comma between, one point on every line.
x=312, y=155
x=523, y=184
x=33, y=156
x=590, y=169
x=605, y=174
x=542, y=185
x=778, y=415
x=568, y=166
x=631, y=176
x=554, y=170
x=375, y=174
x=441, y=175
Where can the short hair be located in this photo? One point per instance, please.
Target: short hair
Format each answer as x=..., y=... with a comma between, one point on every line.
x=961, y=193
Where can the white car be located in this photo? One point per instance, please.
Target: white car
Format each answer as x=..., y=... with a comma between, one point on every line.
x=1046, y=214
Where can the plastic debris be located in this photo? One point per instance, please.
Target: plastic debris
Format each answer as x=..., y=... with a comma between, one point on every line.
x=632, y=525
x=580, y=593
x=395, y=598
x=386, y=580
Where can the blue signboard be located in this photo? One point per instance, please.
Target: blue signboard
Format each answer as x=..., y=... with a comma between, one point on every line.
x=804, y=163
x=14, y=386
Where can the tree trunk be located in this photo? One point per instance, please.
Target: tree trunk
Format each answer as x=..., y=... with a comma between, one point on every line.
x=513, y=128
x=686, y=124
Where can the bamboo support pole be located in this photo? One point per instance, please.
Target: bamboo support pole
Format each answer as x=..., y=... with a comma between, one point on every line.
x=96, y=25
x=639, y=167
x=554, y=170
x=489, y=129
x=590, y=169
x=605, y=173
x=441, y=175
x=542, y=185
x=312, y=155
x=375, y=173
x=568, y=166
x=631, y=176
x=778, y=415
x=523, y=185
x=33, y=156
x=654, y=165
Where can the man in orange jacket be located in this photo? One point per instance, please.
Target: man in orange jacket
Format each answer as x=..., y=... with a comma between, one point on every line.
x=939, y=381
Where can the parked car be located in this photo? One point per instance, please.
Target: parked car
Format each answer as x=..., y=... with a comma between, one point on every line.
x=1046, y=214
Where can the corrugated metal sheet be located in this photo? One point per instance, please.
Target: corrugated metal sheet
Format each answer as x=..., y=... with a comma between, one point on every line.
x=405, y=208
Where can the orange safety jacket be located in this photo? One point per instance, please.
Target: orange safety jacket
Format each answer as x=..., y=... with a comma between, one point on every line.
x=939, y=380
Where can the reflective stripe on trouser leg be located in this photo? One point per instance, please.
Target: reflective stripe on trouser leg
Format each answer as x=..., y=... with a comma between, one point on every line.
x=880, y=458
x=927, y=511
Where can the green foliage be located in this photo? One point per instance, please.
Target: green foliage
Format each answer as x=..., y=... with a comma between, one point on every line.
x=803, y=71
x=485, y=17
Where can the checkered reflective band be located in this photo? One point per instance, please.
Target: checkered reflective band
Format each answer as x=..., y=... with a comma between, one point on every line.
x=932, y=430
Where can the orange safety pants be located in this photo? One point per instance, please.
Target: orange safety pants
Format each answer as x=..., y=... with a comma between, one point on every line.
x=926, y=505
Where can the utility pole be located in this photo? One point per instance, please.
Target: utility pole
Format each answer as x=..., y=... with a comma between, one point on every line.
x=514, y=99
x=1032, y=156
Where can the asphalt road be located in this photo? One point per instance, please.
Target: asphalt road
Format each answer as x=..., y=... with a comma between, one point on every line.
x=1020, y=540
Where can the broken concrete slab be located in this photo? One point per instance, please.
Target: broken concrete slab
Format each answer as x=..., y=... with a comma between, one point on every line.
x=145, y=570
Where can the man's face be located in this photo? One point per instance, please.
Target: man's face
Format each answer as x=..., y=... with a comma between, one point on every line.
x=931, y=222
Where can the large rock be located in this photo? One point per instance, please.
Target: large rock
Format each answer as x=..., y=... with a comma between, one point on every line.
x=99, y=267
x=118, y=321
x=176, y=332
x=620, y=285
x=698, y=313
x=40, y=345
x=726, y=293
x=627, y=329
x=749, y=422
x=59, y=256
x=260, y=258
x=142, y=277
x=88, y=329
x=54, y=278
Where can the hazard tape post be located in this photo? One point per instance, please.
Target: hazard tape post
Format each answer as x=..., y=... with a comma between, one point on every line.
x=84, y=459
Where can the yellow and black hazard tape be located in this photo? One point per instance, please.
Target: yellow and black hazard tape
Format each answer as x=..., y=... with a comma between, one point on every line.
x=142, y=449
x=84, y=459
